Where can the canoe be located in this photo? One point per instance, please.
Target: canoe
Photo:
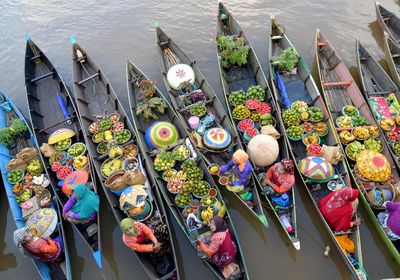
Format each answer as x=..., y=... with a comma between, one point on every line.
x=376, y=85
x=171, y=54
x=388, y=22
x=95, y=99
x=300, y=85
x=51, y=107
x=60, y=269
x=135, y=96
x=340, y=90
x=392, y=56
x=241, y=78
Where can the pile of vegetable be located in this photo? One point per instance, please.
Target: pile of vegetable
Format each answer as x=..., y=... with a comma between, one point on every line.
x=232, y=50
x=286, y=62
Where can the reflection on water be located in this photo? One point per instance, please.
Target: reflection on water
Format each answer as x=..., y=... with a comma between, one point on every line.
x=113, y=31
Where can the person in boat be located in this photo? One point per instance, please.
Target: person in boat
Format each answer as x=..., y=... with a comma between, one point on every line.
x=390, y=220
x=82, y=206
x=279, y=178
x=242, y=171
x=339, y=208
x=43, y=249
x=221, y=249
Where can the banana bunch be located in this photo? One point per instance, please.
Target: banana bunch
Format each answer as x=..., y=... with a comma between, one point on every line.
x=346, y=137
x=361, y=133
x=397, y=119
x=373, y=131
x=354, y=148
x=387, y=124
x=207, y=215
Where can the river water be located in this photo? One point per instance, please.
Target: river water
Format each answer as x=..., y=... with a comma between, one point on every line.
x=113, y=31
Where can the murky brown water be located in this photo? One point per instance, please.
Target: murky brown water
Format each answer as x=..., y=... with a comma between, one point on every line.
x=113, y=31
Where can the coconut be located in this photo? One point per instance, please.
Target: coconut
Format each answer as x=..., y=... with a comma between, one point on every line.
x=263, y=150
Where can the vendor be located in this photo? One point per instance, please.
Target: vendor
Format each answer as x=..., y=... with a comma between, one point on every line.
x=222, y=250
x=82, y=206
x=390, y=220
x=279, y=178
x=339, y=208
x=45, y=250
x=242, y=170
x=139, y=237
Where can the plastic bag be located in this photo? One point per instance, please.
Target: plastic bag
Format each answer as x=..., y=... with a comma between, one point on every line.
x=16, y=163
x=333, y=154
x=134, y=177
x=47, y=150
x=271, y=131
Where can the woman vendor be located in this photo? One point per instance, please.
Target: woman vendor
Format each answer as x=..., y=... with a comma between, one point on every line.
x=390, y=220
x=45, y=250
x=339, y=208
x=138, y=236
x=222, y=250
x=242, y=169
x=279, y=178
x=82, y=206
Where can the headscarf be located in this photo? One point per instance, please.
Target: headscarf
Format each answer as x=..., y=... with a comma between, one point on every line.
x=19, y=235
x=87, y=202
x=128, y=223
x=240, y=157
x=288, y=165
x=220, y=224
x=337, y=208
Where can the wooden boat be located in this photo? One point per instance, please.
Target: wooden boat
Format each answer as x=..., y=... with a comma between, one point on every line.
x=135, y=95
x=95, y=99
x=300, y=85
x=376, y=85
x=241, y=78
x=392, y=56
x=61, y=269
x=340, y=90
x=388, y=22
x=171, y=54
x=51, y=107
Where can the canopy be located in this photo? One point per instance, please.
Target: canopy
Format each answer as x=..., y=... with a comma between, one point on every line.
x=60, y=134
x=161, y=135
x=80, y=176
x=180, y=73
x=316, y=168
x=373, y=166
x=42, y=222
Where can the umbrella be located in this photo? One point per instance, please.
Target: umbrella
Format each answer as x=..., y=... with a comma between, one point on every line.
x=161, y=135
x=281, y=85
x=373, y=166
x=42, y=222
x=180, y=73
x=60, y=134
x=80, y=176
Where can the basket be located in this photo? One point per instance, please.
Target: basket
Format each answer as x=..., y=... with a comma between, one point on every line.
x=310, y=133
x=100, y=145
x=45, y=193
x=94, y=128
x=247, y=114
x=117, y=155
x=379, y=142
x=295, y=139
x=341, y=117
x=214, y=165
x=247, y=137
x=179, y=195
x=114, y=182
x=76, y=144
x=67, y=147
x=132, y=162
x=142, y=217
x=112, y=137
x=182, y=159
x=359, y=139
x=102, y=165
x=114, y=118
x=130, y=136
x=133, y=153
x=393, y=145
x=247, y=120
x=164, y=174
x=313, y=109
x=100, y=138
x=344, y=114
x=84, y=167
x=223, y=181
x=208, y=188
x=106, y=127
x=22, y=177
x=347, y=154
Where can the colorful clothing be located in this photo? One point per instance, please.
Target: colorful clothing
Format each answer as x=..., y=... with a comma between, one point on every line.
x=222, y=250
x=143, y=234
x=46, y=250
x=390, y=220
x=337, y=209
x=72, y=216
x=243, y=175
x=84, y=206
x=282, y=182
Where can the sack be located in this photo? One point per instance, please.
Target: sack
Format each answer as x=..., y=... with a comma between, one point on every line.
x=47, y=150
x=196, y=139
x=134, y=177
x=230, y=270
x=271, y=131
x=16, y=163
x=27, y=154
x=333, y=154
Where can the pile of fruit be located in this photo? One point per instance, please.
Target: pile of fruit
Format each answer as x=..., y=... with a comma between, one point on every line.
x=130, y=150
x=305, y=116
x=15, y=176
x=105, y=124
x=102, y=148
x=373, y=144
x=118, y=126
x=198, y=109
x=251, y=132
x=174, y=185
x=115, y=152
x=307, y=127
x=295, y=132
x=387, y=124
x=181, y=152
x=396, y=148
x=123, y=136
x=353, y=149
x=346, y=137
x=194, y=173
x=344, y=121
x=24, y=196
x=299, y=106
x=360, y=121
x=256, y=92
x=80, y=162
x=240, y=112
x=77, y=149
x=316, y=114
x=183, y=199
x=164, y=160
x=252, y=104
x=208, y=201
x=94, y=128
x=314, y=150
x=98, y=137
x=169, y=174
x=237, y=98
x=110, y=166
x=201, y=189
x=108, y=136
x=350, y=111
x=267, y=119
x=291, y=117
x=310, y=138
x=35, y=167
x=361, y=133
x=264, y=108
x=255, y=116
x=245, y=124
x=321, y=128
x=63, y=144
x=114, y=118
x=207, y=214
x=374, y=131
x=189, y=163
